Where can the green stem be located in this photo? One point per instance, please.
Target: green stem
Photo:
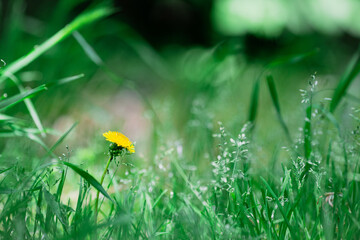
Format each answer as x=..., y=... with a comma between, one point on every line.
x=101, y=182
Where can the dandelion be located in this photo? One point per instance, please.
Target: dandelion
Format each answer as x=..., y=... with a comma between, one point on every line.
x=120, y=145
x=120, y=140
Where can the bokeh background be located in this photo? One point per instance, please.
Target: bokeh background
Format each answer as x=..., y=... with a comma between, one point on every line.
x=171, y=70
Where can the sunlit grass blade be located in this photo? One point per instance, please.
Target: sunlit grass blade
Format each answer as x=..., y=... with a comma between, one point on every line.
x=351, y=72
x=85, y=18
x=90, y=179
x=9, y=102
x=275, y=100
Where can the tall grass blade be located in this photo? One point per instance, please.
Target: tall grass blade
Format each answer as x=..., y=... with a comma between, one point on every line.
x=286, y=219
x=61, y=185
x=308, y=133
x=56, y=208
x=39, y=218
x=275, y=100
x=254, y=102
x=351, y=72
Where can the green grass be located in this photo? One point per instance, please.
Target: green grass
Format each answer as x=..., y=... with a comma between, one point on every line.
x=197, y=179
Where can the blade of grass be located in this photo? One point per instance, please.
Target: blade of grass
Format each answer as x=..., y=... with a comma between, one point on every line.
x=5, y=170
x=29, y=103
x=30, y=106
x=159, y=198
x=90, y=52
x=254, y=102
x=65, y=80
x=56, y=209
x=307, y=133
x=9, y=102
x=39, y=218
x=278, y=62
x=90, y=179
x=292, y=59
x=62, y=138
x=275, y=100
x=83, y=19
x=292, y=232
x=61, y=185
x=351, y=72
x=141, y=220
x=38, y=140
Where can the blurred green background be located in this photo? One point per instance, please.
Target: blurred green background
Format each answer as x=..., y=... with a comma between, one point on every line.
x=170, y=70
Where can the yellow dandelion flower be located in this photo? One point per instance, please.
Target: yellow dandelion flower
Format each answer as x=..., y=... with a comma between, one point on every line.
x=120, y=139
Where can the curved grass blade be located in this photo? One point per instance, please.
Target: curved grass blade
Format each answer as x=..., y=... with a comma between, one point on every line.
x=5, y=104
x=351, y=72
x=83, y=19
x=275, y=100
x=90, y=179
